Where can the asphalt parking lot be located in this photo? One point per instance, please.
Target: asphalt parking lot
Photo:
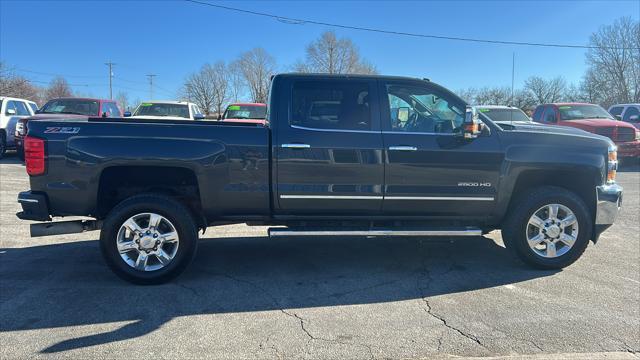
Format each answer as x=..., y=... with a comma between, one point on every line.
x=246, y=296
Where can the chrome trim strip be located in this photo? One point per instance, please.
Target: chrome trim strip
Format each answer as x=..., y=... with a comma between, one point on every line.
x=471, y=198
x=333, y=197
x=403, y=148
x=335, y=130
x=416, y=133
x=28, y=200
x=377, y=197
x=295, y=146
x=388, y=232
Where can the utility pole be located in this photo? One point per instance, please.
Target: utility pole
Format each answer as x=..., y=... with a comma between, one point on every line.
x=110, y=65
x=151, y=76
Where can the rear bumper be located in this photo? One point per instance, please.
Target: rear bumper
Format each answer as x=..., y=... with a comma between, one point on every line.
x=34, y=206
x=629, y=149
x=608, y=204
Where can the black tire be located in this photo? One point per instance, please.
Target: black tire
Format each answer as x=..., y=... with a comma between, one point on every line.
x=179, y=216
x=514, y=230
x=3, y=144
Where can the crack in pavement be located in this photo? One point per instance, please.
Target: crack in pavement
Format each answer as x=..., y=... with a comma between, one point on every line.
x=429, y=310
x=301, y=320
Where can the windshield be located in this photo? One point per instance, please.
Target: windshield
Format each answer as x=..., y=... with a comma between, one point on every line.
x=154, y=109
x=245, y=112
x=576, y=112
x=505, y=115
x=71, y=106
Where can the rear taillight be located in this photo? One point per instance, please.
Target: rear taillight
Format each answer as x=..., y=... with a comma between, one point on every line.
x=612, y=164
x=34, y=155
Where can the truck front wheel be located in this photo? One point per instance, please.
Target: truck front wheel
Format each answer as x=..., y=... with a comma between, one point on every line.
x=148, y=239
x=549, y=228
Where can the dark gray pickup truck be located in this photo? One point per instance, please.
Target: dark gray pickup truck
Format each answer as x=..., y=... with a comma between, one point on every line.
x=339, y=156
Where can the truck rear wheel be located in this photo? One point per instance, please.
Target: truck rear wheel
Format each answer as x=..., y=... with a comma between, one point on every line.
x=549, y=228
x=148, y=239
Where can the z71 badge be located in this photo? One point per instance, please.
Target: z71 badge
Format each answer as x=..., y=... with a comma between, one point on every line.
x=62, y=130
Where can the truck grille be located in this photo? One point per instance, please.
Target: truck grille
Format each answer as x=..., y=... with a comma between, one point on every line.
x=617, y=134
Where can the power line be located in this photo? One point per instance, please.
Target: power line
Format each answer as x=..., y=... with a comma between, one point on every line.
x=294, y=21
x=52, y=74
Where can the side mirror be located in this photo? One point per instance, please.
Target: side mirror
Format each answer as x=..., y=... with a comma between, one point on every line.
x=619, y=117
x=198, y=117
x=11, y=111
x=127, y=113
x=472, y=127
x=219, y=117
x=105, y=114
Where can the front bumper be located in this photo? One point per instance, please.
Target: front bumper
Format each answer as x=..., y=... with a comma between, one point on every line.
x=608, y=204
x=629, y=149
x=34, y=206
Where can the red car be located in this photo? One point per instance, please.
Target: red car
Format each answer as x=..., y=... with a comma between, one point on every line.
x=68, y=108
x=594, y=119
x=255, y=113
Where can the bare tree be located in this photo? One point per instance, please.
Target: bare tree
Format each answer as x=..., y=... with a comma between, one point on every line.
x=17, y=86
x=236, y=81
x=209, y=87
x=218, y=74
x=546, y=91
x=524, y=100
x=257, y=66
x=200, y=89
x=493, y=96
x=123, y=100
x=614, y=63
x=468, y=95
x=58, y=88
x=331, y=55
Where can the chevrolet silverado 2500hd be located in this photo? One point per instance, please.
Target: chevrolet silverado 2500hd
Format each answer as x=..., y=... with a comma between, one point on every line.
x=341, y=155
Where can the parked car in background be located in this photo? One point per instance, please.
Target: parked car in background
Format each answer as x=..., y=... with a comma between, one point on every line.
x=11, y=111
x=246, y=112
x=594, y=119
x=504, y=114
x=167, y=110
x=627, y=112
x=67, y=108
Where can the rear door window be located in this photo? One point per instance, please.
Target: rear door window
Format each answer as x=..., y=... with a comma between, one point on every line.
x=331, y=105
x=111, y=109
x=22, y=108
x=631, y=111
x=616, y=111
x=550, y=116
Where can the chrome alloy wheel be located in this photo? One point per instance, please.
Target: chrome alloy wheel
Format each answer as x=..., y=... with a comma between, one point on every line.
x=147, y=241
x=552, y=230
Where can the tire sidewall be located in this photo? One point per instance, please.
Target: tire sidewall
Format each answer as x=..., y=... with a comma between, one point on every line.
x=171, y=210
x=517, y=232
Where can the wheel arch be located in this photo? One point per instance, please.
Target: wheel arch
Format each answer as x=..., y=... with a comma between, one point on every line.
x=119, y=182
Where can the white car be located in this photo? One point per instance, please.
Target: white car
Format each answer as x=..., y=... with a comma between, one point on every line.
x=167, y=110
x=11, y=110
x=627, y=112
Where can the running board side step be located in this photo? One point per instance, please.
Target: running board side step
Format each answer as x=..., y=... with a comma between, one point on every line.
x=284, y=232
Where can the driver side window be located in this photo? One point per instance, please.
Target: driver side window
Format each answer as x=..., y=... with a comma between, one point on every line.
x=417, y=109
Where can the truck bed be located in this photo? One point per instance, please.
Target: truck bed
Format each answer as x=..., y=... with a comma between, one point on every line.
x=228, y=162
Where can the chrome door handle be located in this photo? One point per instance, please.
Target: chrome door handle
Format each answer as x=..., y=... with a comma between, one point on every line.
x=403, y=148
x=295, y=146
